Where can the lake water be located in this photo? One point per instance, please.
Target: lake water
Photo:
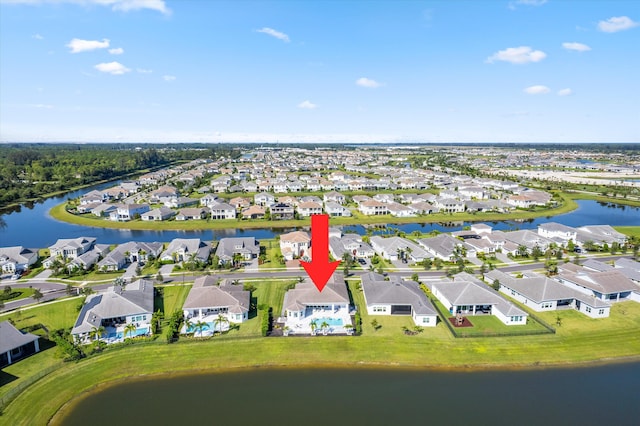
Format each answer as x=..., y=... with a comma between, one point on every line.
x=31, y=226
x=606, y=395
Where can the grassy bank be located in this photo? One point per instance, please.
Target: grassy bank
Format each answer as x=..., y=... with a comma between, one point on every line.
x=568, y=204
x=575, y=342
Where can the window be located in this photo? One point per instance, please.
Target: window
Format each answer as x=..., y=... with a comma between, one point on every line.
x=588, y=309
x=425, y=320
x=601, y=312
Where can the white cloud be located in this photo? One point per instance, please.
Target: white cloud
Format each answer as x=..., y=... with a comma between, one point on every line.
x=517, y=55
x=115, y=68
x=121, y=5
x=537, y=90
x=78, y=45
x=274, y=33
x=514, y=4
x=367, y=82
x=307, y=105
x=617, y=23
x=168, y=77
x=576, y=46
x=37, y=37
x=565, y=92
x=144, y=71
x=116, y=51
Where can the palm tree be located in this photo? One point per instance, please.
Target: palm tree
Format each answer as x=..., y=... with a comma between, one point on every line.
x=313, y=326
x=199, y=326
x=129, y=329
x=221, y=319
x=96, y=332
x=324, y=327
x=349, y=329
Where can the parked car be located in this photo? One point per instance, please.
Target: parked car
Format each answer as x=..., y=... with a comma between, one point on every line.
x=362, y=262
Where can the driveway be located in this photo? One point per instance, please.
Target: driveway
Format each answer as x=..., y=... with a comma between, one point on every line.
x=505, y=259
x=165, y=270
x=251, y=266
x=130, y=273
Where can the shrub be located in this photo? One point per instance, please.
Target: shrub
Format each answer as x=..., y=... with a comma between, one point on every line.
x=358, y=323
x=265, y=321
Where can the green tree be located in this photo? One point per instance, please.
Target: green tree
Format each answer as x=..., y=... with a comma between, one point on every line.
x=129, y=329
x=221, y=319
x=37, y=295
x=96, y=333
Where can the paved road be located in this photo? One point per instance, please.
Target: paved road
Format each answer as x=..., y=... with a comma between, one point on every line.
x=50, y=291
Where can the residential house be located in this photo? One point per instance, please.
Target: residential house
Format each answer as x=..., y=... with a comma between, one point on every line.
x=86, y=260
x=295, y=244
x=309, y=311
x=281, y=211
x=449, y=205
x=132, y=251
x=247, y=247
x=264, y=199
x=254, y=212
x=397, y=297
x=193, y=213
x=127, y=212
x=397, y=248
x=179, y=202
x=599, y=234
x=349, y=243
x=629, y=268
x=468, y=296
x=442, y=246
x=159, y=214
x=558, y=232
x=207, y=301
x=336, y=210
x=335, y=197
x=209, y=199
x=308, y=208
x=541, y=294
x=373, y=208
x=187, y=249
x=163, y=194
x=114, y=309
x=103, y=210
x=400, y=210
x=240, y=202
x=69, y=248
x=610, y=286
x=17, y=259
x=15, y=345
x=222, y=211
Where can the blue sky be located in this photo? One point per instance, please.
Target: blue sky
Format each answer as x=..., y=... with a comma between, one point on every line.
x=364, y=71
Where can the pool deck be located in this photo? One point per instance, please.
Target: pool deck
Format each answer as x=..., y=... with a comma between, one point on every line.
x=303, y=325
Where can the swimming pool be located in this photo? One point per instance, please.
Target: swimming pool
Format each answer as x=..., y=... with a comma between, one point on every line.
x=333, y=322
x=120, y=334
x=209, y=327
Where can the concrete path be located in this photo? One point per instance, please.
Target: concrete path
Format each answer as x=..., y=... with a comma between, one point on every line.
x=505, y=259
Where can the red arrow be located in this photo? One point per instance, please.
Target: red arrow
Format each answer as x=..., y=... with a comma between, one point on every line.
x=320, y=269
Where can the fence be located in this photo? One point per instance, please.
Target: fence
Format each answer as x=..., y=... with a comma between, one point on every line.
x=444, y=315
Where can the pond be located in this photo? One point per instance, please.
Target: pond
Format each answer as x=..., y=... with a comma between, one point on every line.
x=31, y=226
x=604, y=395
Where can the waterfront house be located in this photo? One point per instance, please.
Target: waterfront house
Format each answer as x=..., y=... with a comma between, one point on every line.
x=308, y=208
x=469, y=296
x=398, y=248
x=207, y=301
x=132, y=251
x=610, y=286
x=541, y=294
x=114, y=309
x=17, y=259
x=336, y=210
x=254, y=212
x=127, y=212
x=222, y=211
x=295, y=244
x=187, y=249
x=264, y=199
x=192, y=213
x=397, y=297
x=309, y=311
x=442, y=246
x=159, y=214
x=281, y=211
x=247, y=247
x=70, y=248
x=15, y=345
x=373, y=208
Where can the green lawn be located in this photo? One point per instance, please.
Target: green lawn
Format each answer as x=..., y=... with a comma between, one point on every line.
x=173, y=298
x=53, y=315
x=17, y=294
x=272, y=250
x=632, y=231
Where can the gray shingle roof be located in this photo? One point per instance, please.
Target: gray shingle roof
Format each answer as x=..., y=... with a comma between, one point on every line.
x=306, y=293
x=11, y=337
x=205, y=294
x=137, y=298
x=378, y=291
